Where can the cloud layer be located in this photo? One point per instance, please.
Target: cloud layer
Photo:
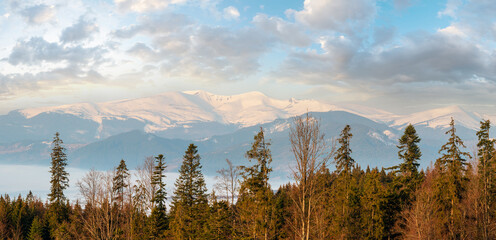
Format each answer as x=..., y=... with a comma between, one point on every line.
x=341, y=50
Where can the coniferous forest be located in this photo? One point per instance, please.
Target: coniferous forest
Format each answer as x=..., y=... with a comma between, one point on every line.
x=454, y=198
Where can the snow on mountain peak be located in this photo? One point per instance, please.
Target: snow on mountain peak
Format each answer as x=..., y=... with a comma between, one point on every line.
x=439, y=118
x=173, y=109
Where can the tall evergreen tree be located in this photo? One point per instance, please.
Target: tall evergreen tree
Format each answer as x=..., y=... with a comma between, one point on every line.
x=59, y=208
x=60, y=177
x=120, y=182
x=159, y=217
x=346, y=190
x=450, y=184
x=487, y=175
x=255, y=193
x=189, y=210
x=344, y=161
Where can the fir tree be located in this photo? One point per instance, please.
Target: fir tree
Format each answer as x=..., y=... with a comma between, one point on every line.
x=487, y=174
x=450, y=184
x=120, y=182
x=189, y=210
x=158, y=217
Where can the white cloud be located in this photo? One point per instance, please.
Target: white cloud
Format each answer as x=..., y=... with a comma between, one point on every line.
x=450, y=9
x=284, y=31
x=337, y=15
x=39, y=14
x=231, y=13
x=145, y=5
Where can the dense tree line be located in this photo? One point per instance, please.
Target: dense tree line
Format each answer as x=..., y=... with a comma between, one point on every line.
x=454, y=198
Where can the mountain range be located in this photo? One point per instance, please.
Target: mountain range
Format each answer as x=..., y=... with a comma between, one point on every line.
x=98, y=135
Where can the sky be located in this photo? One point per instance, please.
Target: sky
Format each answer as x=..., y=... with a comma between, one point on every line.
x=398, y=55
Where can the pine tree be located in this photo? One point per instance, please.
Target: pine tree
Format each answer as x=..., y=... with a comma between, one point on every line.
x=189, y=210
x=159, y=217
x=487, y=175
x=60, y=178
x=120, y=182
x=344, y=161
x=450, y=184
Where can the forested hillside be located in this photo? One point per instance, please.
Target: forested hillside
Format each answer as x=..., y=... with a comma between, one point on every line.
x=454, y=198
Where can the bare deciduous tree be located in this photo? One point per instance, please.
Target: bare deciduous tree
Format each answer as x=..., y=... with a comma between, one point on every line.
x=311, y=152
x=228, y=182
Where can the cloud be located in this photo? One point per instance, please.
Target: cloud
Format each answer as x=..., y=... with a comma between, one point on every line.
x=402, y=4
x=218, y=54
x=79, y=31
x=36, y=50
x=338, y=15
x=164, y=24
x=145, y=5
x=231, y=13
x=38, y=14
x=21, y=83
x=420, y=60
x=197, y=52
x=286, y=32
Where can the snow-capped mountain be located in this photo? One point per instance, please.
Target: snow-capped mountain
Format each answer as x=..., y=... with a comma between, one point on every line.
x=97, y=134
x=439, y=118
x=173, y=109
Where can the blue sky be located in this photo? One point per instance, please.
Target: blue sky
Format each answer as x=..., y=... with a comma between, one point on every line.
x=398, y=55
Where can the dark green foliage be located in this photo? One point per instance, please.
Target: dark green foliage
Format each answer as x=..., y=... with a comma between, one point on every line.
x=344, y=161
x=450, y=184
x=255, y=198
x=220, y=221
x=60, y=178
x=189, y=210
x=487, y=180
x=120, y=182
x=159, y=221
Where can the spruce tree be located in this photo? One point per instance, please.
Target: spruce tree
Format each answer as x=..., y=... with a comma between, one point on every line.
x=189, y=210
x=450, y=184
x=59, y=208
x=346, y=190
x=487, y=175
x=407, y=177
x=255, y=192
x=159, y=217
x=344, y=161
x=60, y=178
x=36, y=230
x=120, y=182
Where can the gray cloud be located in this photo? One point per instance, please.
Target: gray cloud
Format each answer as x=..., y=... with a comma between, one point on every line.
x=420, y=58
x=81, y=30
x=198, y=52
x=38, y=14
x=36, y=50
